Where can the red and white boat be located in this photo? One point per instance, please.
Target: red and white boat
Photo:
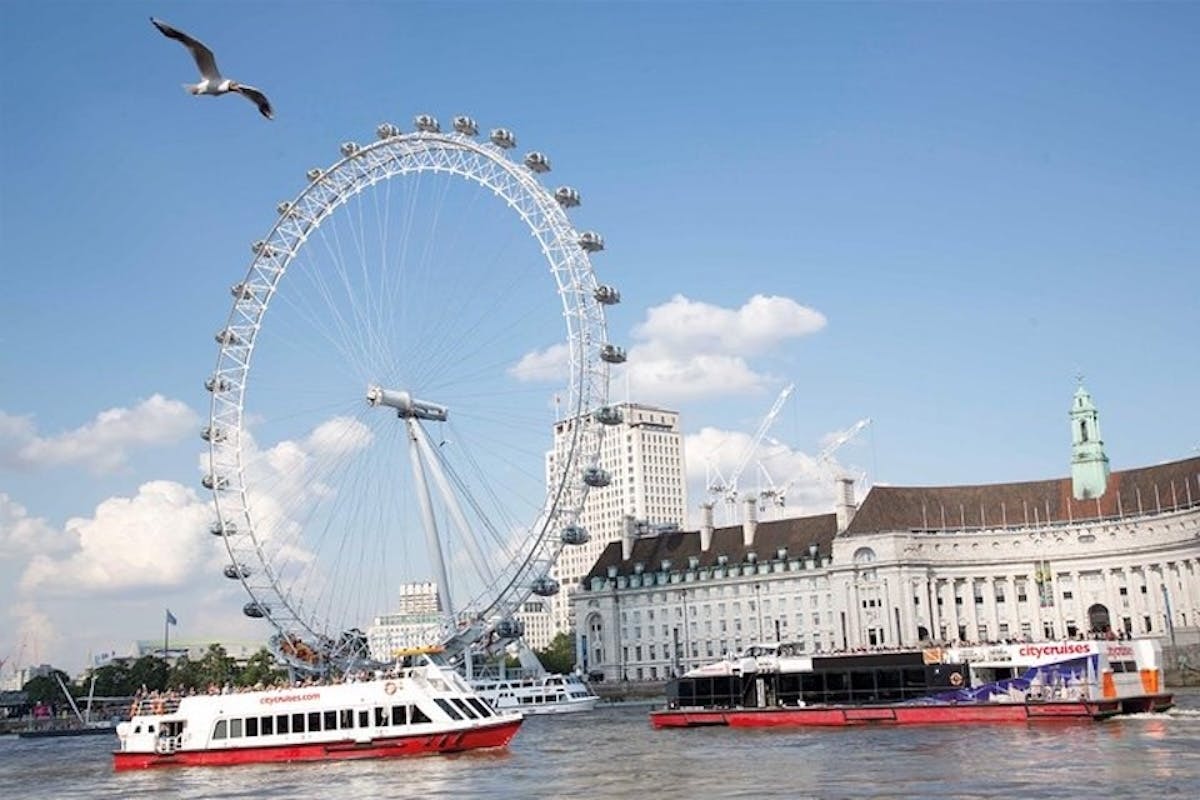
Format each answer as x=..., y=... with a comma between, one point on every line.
x=419, y=709
x=775, y=685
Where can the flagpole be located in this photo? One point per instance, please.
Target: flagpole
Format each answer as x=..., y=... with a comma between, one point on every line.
x=166, y=634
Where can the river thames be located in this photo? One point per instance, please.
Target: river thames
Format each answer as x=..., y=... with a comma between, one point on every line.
x=613, y=752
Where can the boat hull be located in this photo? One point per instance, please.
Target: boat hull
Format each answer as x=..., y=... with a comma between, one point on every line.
x=477, y=738
x=912, y=714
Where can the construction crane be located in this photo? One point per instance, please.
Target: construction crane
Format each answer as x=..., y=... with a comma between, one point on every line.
x=824, y=461
x=718, y=486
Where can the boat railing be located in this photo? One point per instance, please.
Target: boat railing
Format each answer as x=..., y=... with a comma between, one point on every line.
x=165, y=745
x=157, y=706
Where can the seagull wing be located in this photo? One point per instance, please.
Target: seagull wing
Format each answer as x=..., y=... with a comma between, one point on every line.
x=204, y=57
x=260, y=99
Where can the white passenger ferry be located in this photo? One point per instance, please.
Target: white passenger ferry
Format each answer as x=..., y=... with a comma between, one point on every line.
x=425, y=708
x=544, y=694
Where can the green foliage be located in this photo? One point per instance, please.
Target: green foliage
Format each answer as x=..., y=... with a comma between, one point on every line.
x=149, y=671
x=186, y=674
x=559, y=655
x=45, y=689
x=217, y=666
x=121, y=679
x=112, y=680
x=260, y=668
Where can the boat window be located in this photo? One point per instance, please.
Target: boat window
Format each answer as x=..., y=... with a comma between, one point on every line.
x=399, y=715
x=314, y=721
x=417, y=716
x=446, y=707
x=281, y=723
x=267, y=726
x=381, y=716
x=347, y=720
x=480, y=706
x=235, y=729
x=252, y=726
x=467, y=711
x=220, y=731
x=364, y=719
x=331, y=720
x=150, y=728
x=297, y=723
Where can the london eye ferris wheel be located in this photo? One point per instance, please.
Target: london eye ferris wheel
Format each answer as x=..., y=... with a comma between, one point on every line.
x=390, y=419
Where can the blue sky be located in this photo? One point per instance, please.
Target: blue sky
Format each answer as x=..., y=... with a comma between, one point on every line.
x=980, y=200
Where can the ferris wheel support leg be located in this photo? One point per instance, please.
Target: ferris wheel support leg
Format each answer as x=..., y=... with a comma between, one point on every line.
x=433, y=541
x=456, y=513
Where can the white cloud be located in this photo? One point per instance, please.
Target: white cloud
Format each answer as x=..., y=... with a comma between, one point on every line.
x=542, y=365
x=157, y=538
x=668, y=379
x=788, y=482
x=103, y=445
x=687, y=349
x=96, y=571
x=21, y=533
x=682, y=327
x=339, y=436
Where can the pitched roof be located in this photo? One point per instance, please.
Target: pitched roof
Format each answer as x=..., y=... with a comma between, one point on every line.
x=1145, y=490
x=795, y=534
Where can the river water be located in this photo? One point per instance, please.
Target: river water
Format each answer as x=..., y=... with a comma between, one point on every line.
x=613, y=752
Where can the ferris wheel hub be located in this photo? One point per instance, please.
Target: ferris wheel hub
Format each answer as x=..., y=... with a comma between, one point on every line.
x=407, y=406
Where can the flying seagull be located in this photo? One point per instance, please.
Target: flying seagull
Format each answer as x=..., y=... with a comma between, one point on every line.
x=211, y=81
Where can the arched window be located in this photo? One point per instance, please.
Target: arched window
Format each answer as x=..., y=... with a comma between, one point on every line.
x=1083, y=429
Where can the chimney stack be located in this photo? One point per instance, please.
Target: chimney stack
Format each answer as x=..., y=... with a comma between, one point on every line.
x=750, y=521
x=627, y=537
x=706, y=526
x=845, y=507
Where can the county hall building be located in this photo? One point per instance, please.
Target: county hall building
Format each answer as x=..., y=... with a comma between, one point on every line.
x=1097, y=551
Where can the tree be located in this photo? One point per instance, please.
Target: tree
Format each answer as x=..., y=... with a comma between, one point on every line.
x=217, y=666
x=150, y=671
x=559, y=655
x=45, y=689
x=260, y=668
x=186, y=674
x=112, y=680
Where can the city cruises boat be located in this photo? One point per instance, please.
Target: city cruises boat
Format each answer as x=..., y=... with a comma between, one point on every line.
x=777, y=685
x=548, y=693
x=417, y=709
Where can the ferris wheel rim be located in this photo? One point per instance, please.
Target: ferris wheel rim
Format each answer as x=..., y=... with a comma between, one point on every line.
x=326, y=192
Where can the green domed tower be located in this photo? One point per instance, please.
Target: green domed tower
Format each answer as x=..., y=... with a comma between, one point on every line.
x=1089, y=465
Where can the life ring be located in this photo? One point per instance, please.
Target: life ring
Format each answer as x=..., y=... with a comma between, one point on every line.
x=956, y=679
x=389, y=687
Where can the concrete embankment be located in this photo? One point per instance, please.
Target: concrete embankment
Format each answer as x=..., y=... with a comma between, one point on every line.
x=1182, y=664
x=625, y=691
